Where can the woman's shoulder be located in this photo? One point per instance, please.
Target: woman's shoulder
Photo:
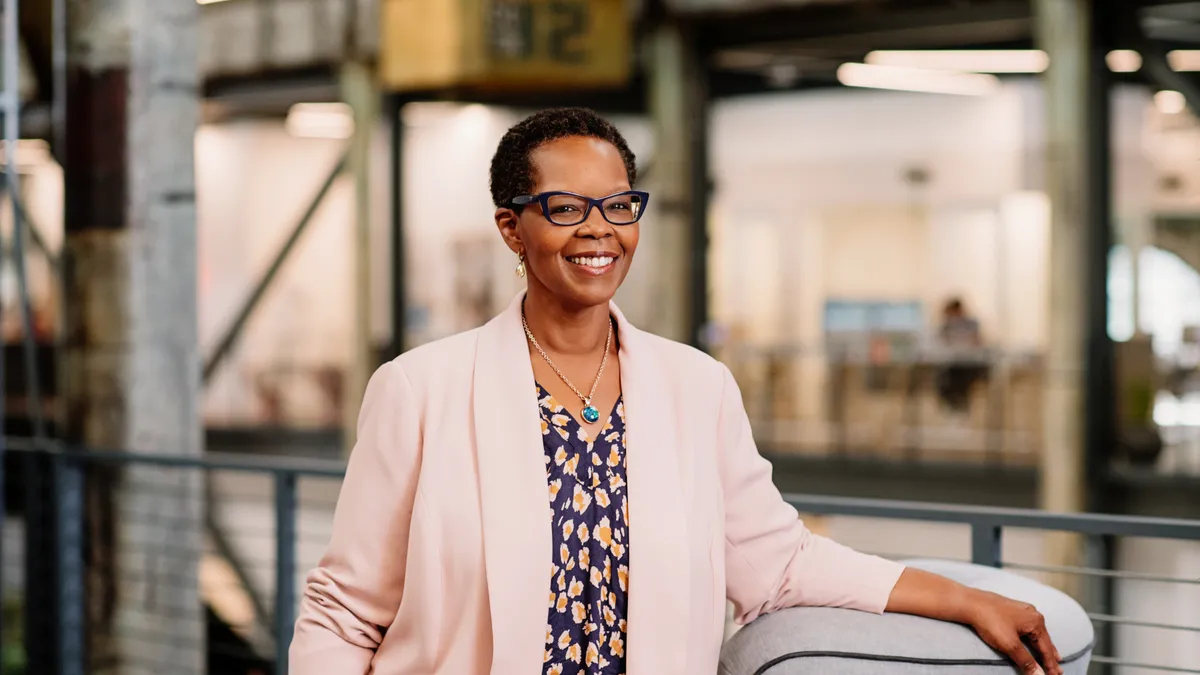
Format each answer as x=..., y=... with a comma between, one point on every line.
x=683, y=360
x=439, y=360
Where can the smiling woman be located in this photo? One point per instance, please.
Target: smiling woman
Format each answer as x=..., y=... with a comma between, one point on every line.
x=558, y=492
x=562, y=183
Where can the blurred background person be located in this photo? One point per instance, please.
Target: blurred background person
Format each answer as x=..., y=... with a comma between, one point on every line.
x=960, y=336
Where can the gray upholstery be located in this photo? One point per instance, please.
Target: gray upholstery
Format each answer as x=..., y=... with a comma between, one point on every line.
x=825, y=641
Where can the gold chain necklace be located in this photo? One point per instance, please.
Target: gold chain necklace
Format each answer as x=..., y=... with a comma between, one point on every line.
x=590, y=414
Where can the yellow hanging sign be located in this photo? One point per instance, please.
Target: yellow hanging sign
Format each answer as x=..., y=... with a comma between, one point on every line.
x=499, y=45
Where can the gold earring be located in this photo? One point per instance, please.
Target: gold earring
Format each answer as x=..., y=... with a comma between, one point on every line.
x=521, y=265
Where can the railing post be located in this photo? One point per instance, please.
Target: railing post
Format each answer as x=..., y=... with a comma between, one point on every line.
x=69, y=486
x=985, y=544
x=285, y=566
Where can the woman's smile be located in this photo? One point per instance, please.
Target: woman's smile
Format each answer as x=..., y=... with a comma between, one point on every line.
x=594, y=264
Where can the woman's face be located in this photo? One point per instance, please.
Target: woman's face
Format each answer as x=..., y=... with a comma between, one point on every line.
x=572, y=263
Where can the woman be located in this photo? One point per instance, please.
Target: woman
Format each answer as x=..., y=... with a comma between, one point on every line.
x=557, y=492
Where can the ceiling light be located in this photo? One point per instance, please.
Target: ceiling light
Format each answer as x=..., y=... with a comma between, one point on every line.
x=916, y=79
x=1184, y=60
x=1170, y=102
x=209, y=2
x=968, y=60
x=320, y=120
x=1124, y=61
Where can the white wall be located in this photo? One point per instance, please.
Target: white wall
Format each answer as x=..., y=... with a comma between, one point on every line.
x=253, y=182
x=827, y=170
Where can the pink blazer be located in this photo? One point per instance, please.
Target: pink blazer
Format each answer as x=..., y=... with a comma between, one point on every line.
x=440, y=556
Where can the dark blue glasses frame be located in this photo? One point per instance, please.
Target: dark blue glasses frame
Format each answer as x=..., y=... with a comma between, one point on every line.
x=543, y=200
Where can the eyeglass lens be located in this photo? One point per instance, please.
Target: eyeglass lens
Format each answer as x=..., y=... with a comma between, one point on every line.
x=620, y=209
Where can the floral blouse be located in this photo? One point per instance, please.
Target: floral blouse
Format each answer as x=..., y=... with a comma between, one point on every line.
x=585, y=632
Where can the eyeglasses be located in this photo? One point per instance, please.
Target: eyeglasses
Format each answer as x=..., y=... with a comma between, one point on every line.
x=568, y=208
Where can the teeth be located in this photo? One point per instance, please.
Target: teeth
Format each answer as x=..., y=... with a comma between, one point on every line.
x=592, y=261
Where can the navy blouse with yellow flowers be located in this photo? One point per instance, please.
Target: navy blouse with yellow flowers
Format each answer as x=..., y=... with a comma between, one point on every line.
x=585, y=633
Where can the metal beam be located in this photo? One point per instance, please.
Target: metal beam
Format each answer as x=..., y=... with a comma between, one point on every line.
x=396, y=197
x=225, y=344
x=358, y=88
x=1103, y=525
x=677, y=93
x=1156, y=66
x=877, y=27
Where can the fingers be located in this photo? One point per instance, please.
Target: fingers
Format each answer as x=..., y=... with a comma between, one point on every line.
x=1043, y=647
x=1014, y=649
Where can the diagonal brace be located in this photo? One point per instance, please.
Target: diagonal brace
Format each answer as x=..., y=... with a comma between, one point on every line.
x=225, y=345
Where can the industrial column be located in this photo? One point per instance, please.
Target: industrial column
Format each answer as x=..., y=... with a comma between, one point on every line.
x=1078, y=391
x=131, y=366
x=361, y=94
x=678, y=103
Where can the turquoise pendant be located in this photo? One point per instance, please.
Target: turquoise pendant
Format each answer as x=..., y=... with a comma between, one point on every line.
x=591, y=415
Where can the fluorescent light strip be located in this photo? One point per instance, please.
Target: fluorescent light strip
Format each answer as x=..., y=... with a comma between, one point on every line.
x=965, y=60
x=1184, y=60
x=916, y=79
x=1017, y=61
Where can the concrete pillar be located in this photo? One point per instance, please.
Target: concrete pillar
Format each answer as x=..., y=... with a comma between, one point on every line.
x=678, y=239
x=359, y=91
x=131, y=366
x=1063, y=31
x=1078, y=396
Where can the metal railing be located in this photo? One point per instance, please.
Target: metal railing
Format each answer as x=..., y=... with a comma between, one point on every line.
x=987, y=527
x=131, y=553
x=129, y=528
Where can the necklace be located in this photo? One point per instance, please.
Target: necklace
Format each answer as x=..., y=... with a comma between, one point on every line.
x=590, y=414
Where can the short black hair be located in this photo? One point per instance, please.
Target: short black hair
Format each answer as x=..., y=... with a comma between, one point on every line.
x=512, y=169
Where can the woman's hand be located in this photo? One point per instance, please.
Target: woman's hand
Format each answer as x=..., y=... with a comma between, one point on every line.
x=1015, y=629
x=1012, y=628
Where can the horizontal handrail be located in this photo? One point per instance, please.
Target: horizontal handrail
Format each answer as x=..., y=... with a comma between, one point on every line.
x=1082, y=523
x=1126, y=621
x=1142, y=666
x=979, y=516
x=1111, y=574
x=211, y=461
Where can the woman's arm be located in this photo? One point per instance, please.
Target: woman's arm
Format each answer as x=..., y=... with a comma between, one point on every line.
x=1010, y=627
x=773, y=561
x=353, y=594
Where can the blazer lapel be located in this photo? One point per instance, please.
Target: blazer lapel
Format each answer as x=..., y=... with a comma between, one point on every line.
x=513, y=493
x=659, y=585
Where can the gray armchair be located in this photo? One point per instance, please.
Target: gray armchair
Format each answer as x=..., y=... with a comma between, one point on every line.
x=825, y=641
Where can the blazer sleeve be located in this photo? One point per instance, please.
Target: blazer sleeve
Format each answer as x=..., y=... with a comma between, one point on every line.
x=772, y=560
x=353, y=594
